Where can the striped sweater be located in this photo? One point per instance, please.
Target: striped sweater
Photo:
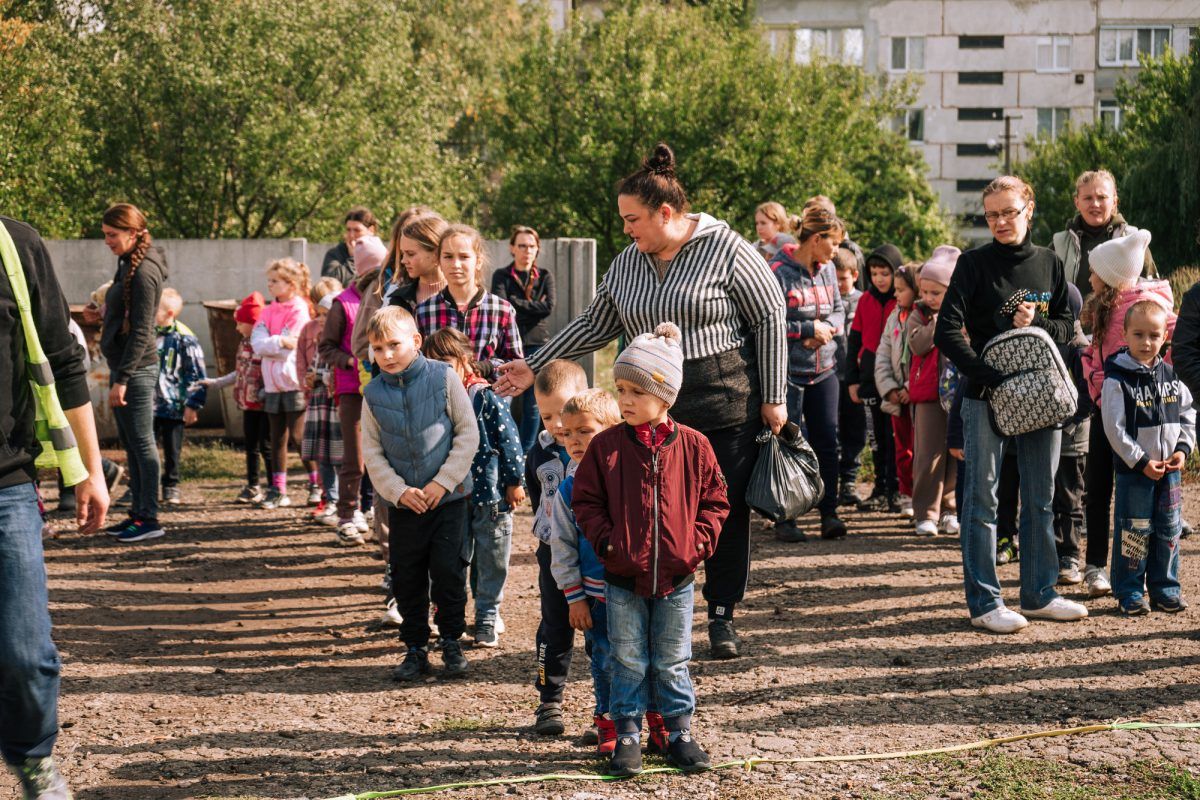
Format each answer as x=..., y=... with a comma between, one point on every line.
x=718, y=290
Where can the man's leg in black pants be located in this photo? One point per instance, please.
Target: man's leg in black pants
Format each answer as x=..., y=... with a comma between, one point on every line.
x=170, y=435
x=555, y=641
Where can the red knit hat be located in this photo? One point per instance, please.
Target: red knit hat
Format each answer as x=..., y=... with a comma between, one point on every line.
x=250, y=309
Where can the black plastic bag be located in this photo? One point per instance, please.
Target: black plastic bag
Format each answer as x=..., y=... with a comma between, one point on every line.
x=786, y=481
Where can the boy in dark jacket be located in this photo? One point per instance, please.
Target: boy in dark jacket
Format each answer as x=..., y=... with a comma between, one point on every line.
x=650, y=498
x=179, y=394
x=1150, y=423
x=873, y=309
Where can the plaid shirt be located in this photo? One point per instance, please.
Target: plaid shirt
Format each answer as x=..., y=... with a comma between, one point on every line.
x=489, y=322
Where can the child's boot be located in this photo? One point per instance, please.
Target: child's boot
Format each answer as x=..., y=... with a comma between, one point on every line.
x=453, y=660
x=416, y=664
x=548, y=719
x=606, y=734
x=659, y=738
x=626, y=759
x=683, y=752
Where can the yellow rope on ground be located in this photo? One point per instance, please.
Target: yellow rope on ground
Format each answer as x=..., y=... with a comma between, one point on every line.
x=749, y=762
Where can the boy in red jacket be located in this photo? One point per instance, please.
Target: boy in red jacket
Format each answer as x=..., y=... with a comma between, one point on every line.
x=651, y=499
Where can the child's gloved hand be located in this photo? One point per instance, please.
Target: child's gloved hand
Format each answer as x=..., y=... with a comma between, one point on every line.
x=579, y=615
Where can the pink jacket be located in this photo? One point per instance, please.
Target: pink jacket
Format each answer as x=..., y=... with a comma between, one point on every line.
x=280, y=319
x=1114, y=338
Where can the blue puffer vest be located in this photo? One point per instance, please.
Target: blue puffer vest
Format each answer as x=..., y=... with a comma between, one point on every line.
x=414, y=428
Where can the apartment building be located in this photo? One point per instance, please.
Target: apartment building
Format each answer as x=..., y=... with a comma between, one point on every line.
x=985, y=66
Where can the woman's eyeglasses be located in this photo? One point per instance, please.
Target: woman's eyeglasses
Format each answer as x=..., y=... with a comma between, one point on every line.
x=1008, y=214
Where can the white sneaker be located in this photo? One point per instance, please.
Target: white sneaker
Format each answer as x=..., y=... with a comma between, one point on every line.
x=949, y=524
x=348, y=535
x=499, y=624
x=391, y=614
x=1059, y=609
x=370, y=515
x=927, y=527
x=330, y=519
x=1097, y=581
x=1000, y=620
x=360, y=522
x=906, y=509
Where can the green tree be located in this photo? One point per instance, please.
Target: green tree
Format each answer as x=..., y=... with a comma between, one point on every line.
x=1155, y=157
x=580, y=108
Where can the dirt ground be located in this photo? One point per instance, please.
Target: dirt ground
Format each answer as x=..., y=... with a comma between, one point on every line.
x=240, y=656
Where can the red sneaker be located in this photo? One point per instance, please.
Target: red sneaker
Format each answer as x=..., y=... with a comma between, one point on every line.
x=608, y=735
x=659, y=739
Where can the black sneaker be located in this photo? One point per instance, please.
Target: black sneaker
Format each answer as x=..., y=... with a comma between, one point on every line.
x=723, y=641
x=140, y=530
x=454, y=663
x=832, y=527
x=626, y=759
x=894, y=504
x=548, y=720
x=684, y=753
x=485, y=635
x=1134, y=609
x=113, y=530
x=415, y=664
x=848, y=496
x=788, y=532
x=1171, y=605
x=877, y=501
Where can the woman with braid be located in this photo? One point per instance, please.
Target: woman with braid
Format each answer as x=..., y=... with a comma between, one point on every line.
x=129, y=344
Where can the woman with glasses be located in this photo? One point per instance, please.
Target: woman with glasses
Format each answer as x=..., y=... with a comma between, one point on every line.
x=1005, y=284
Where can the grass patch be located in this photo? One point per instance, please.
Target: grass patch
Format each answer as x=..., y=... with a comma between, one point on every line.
x=464, y=724
x=998, y=776
x=211, y=460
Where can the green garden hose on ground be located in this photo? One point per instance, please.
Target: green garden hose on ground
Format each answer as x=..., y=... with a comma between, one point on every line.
x=749, y=762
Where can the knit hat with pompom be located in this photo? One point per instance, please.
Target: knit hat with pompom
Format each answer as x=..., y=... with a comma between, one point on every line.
x=654, y=361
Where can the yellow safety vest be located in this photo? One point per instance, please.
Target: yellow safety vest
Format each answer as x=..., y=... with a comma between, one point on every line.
x=59, y=450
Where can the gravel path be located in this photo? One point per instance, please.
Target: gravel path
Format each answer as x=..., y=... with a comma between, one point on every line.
x=240, y=656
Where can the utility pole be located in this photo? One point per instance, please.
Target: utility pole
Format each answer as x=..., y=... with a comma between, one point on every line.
x=1008, y=137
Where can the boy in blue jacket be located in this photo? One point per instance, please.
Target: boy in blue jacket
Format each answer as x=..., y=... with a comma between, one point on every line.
x=179, y=394
x=1150, y=423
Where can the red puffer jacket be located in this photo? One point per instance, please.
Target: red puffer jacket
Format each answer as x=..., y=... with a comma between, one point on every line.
x=651, y=516
x=926, y=368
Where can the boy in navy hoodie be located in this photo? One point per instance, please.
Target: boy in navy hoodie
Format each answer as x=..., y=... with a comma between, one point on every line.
x=1150, y=423
x=545, y=467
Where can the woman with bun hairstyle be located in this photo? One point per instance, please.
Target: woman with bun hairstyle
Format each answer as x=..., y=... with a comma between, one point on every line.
x=771, y=223
x=816, y=317
x=129, y=343
x=1005, y=285
x=530, y=291
x=694, y=271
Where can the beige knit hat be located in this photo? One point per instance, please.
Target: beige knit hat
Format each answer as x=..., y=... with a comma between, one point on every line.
x=653, y=361
x=1118, y=262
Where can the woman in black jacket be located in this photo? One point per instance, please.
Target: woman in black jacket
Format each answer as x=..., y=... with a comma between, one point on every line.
x=129, y=344
x=530, y=291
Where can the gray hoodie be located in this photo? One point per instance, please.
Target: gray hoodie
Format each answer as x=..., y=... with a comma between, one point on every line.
x=1147, y=412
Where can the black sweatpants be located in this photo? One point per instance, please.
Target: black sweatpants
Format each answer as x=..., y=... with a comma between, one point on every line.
x=727, y=571
x=1068, y=506
x=426, y=553
x=852, y=437
x=883, y=450
x=555, y=636
x=1008, y=496
x=1098, y=478
x=256, y=438
x=169, y=433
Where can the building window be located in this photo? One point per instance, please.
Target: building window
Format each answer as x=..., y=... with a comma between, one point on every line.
x=1054, y=54
x=1124, y=47
x=910, y=123
x=908, y=54
x=1052, y=122
x=976, y=150
x=971, y=184
x=837, y=44
x=981, y=78
x=1110, y=114
x=981, y=43
x=980, y=114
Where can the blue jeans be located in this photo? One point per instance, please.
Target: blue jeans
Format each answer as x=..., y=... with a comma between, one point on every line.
x=135, y=427
x=29, y=664
x=329, y=482
x=491, y=542
x=814, y=407
x=651, y=641
x=1146, y=527
x=531, y=420
x=1037, y=460
x=600, y=652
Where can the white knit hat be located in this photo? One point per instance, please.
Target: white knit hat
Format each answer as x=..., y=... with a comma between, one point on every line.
x=653, y=361
x=1118, y=262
